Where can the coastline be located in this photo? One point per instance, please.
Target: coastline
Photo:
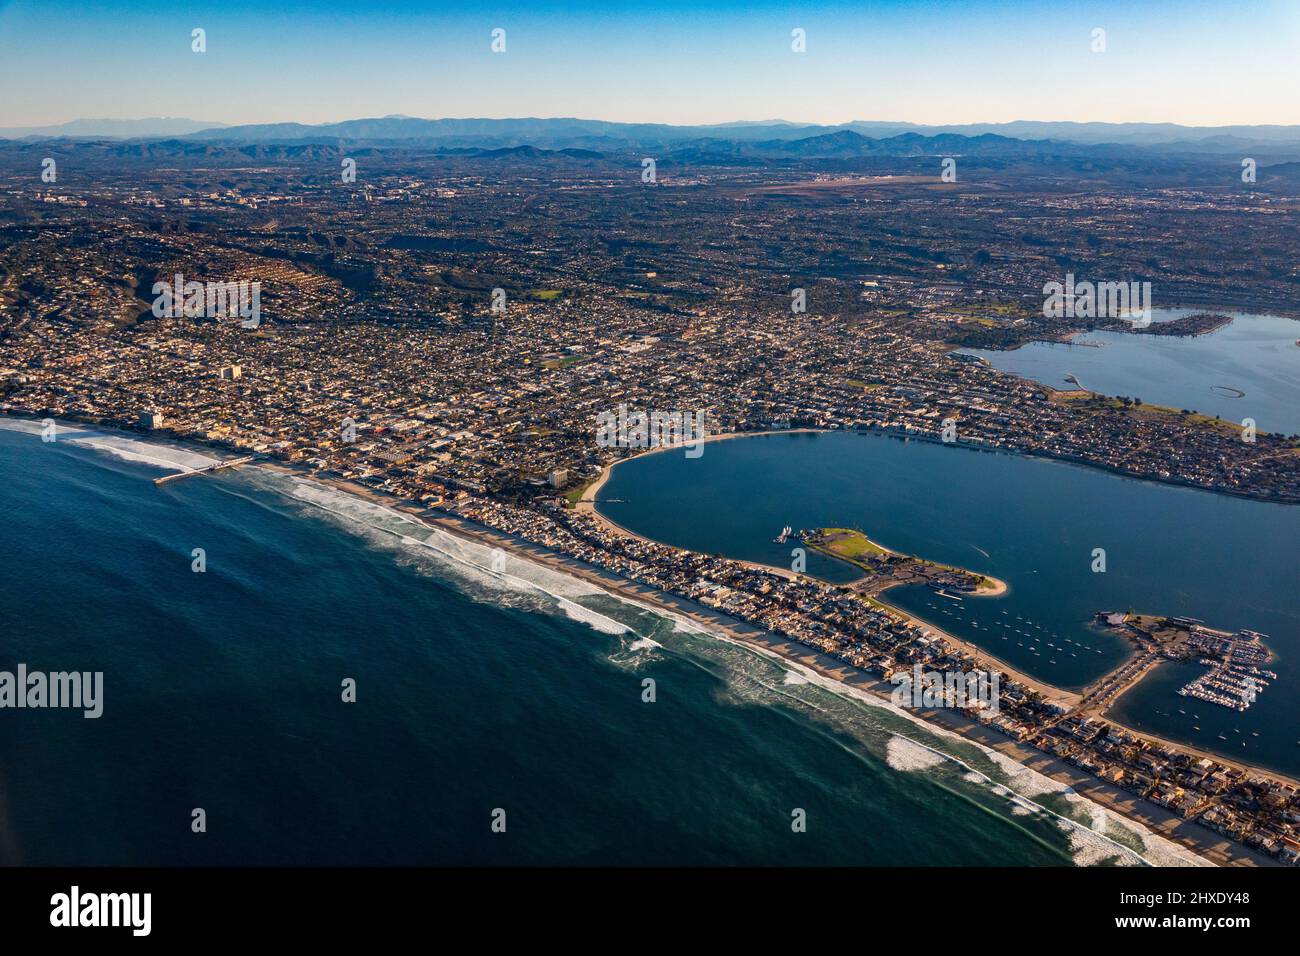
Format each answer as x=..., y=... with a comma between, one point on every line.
x=841, y=678
x=587, y=503
x=1201, y=841
x=1198, y=839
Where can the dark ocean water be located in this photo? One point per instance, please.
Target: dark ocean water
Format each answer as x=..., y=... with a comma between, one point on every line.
x=1031, y=522
x=475, y=691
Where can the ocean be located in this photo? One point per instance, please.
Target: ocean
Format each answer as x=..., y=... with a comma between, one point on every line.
x=480, y=696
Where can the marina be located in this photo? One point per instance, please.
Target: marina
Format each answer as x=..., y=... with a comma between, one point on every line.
x=1235, y=679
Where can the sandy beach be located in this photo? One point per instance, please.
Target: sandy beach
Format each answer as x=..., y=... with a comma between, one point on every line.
x=1200, y=840
x=987, y=661
x=1188, y=834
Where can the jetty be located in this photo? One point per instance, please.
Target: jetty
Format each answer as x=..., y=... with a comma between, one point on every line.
x=215, y=466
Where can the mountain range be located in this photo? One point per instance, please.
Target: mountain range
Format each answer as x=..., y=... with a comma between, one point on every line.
x=844, y=140
x=111, y=128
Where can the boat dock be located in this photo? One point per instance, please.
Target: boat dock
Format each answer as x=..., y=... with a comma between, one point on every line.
x=215, y=466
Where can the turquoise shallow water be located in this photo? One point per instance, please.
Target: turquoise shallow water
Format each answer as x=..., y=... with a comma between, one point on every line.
x=222, y=691
x=1031, y=522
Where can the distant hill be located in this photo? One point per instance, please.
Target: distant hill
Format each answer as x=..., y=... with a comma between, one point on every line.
x=1142, y=134
x=601, y=134
x=1276, y=143
x=998, y=158
x=1076, y=147
x=112, y=128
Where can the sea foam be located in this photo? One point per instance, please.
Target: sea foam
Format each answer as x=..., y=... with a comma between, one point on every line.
x=160, y=454
x=1089, y=842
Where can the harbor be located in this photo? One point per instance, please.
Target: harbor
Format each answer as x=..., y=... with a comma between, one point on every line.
x=1235, y=678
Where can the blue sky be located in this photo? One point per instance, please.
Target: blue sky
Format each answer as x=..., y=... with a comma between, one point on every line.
x=1184, y=61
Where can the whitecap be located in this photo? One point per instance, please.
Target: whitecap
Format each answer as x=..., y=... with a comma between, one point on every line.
x=904, y=754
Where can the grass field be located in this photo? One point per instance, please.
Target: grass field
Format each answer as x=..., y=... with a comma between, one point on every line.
x=574, y=495
x=1147, y=411
x=553, y=364
x=846, y=543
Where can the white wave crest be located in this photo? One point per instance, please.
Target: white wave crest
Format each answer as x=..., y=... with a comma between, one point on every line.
x=491, y=569
x=31, y=428
x=904, y=754
x=147, y=453
x=1089, y=845
x=593, y=619
x=1023, y=784
x=160, y=454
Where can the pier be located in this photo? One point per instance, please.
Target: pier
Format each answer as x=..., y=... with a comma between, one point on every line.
x=215, y=466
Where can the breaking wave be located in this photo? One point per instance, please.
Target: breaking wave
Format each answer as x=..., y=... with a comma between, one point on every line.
x=159, y=454
x=755, y=675
x=749, y=674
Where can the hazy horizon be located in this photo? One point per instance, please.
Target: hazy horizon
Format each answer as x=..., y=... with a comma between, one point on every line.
x=773, y=121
